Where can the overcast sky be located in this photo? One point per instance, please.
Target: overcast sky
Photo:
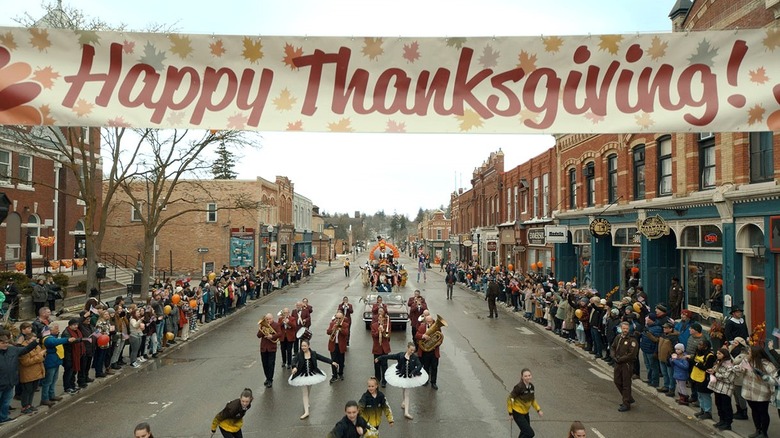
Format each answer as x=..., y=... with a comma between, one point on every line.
x=372, y=172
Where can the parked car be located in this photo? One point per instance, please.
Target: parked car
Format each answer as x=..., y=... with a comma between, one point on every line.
x=396, y=308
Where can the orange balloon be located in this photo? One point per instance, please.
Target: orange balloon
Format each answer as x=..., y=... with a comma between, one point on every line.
x=511, y=267
x=578, y=312
x=169, y=336
x=175, y=299
x=194, y=304
x=167, y=310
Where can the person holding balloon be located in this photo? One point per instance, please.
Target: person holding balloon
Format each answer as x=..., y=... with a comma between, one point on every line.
x=103, y=339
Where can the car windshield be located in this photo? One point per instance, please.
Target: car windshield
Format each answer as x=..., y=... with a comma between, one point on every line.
x=387, y=299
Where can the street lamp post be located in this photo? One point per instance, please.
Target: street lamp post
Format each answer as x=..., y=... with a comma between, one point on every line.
x=271, y=255
x=330, y=250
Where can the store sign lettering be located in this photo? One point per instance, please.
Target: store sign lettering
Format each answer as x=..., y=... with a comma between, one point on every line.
x=600, y=227
x=536, y=236
x=653, y=227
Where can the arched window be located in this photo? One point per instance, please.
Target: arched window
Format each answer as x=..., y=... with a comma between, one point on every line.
x=34, y=228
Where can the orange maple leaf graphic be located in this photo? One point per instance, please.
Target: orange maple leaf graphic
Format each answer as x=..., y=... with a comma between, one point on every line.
x=181, y=45
x=552, y=44
x=128, y=47
x=644, y=120
x=343, y=125
x=372, y=47
x=412, y=52
x=594, y=118
x=40, y=39
x=46, y=77
x=758, y=75
x=527, y=114
x=7, y=40
x=657, y=48
x=253, y=50
x=46, y=115
x=237, y=121
x=527, y=61
x=295, y=126
x=470, y=119
x=610, y=43
x=217, y=48
x=290, y=53
x=772, y=40
x=82, y=108
x=393, y=126
x=756, y=114
x=285, y=101
x=118, y=122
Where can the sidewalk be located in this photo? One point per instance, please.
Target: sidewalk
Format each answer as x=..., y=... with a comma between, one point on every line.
x=23, y=421
x=740, y=428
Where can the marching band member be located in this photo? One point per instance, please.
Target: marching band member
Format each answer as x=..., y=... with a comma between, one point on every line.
x=268, y=331
x=408, y=373
x=416, y=310
x=346, y=308
x=302, y=317
x=337, y=344
x=429, y=359
x=305, y=372
x=307, y=306
x=376, y=307
x=372, y=405
x=380, y=333
x=288, y=327
x=413, y=299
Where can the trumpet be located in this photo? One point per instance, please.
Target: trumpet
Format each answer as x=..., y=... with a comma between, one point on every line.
x=336, y=329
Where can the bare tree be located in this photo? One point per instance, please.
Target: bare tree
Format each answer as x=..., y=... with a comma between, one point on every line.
x=172, y=158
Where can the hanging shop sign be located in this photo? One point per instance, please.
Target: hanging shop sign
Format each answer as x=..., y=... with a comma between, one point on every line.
x=556, y=233
x=653, y=227
x=600, y=227
x=492, y=245
x=536, y=237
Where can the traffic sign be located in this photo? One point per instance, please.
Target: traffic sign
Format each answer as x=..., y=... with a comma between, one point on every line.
x=203, y=250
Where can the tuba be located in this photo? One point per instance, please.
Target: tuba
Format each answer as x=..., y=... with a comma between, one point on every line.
x=435, y=338
x=266, y=329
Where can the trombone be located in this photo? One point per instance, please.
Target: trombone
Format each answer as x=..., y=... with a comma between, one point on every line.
x=336, y=329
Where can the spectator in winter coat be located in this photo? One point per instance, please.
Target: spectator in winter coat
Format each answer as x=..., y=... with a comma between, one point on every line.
x=9, y=371
x=648, y=343
x=54, y=354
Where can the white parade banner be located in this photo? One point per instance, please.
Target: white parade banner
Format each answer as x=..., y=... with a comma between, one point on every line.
x=669, y=82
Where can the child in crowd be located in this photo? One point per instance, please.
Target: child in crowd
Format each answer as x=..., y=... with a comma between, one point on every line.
x=680, y=365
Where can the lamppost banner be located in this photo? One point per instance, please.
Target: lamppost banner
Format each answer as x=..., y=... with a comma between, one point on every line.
x=666, y=82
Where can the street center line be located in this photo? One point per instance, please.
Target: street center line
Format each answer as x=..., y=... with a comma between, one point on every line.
x=598, y=434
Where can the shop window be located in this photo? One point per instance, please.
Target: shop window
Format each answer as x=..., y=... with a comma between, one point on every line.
x=625, y=236
x=703, y=267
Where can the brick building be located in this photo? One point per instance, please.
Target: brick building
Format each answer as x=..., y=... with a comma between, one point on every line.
x=434, y=233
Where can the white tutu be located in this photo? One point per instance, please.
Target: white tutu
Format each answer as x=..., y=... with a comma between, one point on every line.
x=302, y=380
x=405, y=382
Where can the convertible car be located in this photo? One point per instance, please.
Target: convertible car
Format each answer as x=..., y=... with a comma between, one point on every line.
x=396, y=308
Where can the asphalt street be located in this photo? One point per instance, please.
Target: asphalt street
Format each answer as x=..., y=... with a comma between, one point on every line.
x=179, y=392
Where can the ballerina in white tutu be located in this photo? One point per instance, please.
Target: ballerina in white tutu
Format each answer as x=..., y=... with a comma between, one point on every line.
x=306, y=373
x=408, y=373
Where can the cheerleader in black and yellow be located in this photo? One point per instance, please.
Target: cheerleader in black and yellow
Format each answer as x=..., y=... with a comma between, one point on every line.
x=372, y=406
x=230, y=419
x=519, y=403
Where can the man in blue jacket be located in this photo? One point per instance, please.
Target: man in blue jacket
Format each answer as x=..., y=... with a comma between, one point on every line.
x=9, y=371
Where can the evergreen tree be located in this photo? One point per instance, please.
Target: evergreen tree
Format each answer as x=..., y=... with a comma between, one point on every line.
x=223, y=165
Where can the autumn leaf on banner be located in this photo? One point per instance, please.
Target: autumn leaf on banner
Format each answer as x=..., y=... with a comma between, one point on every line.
x=40, y=39
x=772, y=40
x=610, y=43
x=181, y=45
x=552, y=44
x=175, y=118
x=758, y=76
x=45, y=76
x=527, y=62
x=644, y=120
x=594, y=118
x=217, y=48
x=237, y=121
x=470, y=119
x=343, y=125
x=412, y=52
x=657, y=48
x=46, y=115
x=756, y=115
x=704, y=54
x=285, y=101
x=489, y=58
x=527, y=114
x=87, y=37
x=253, y=50
x=295, y=126
x=152, y=57
x=456, y=42
x=128, y=47
x=82, y=108
x=7, y=40
x=372, y=47
x=118, y=122
x=290, y=53
x=393, y=126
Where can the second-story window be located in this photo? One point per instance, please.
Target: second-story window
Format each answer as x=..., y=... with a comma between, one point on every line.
x=211, y=212
x=509, y=204
x=5, y=166
x=761, y=157
x=639, y=172
x=525, y=201
x=438, y=234
x=590, y=183
x=572, y=189
x=25, y=169
x=546, y=195
x=665, y=167
x=612, y=186
x=135, y=214
x=536, y=197
x=706, y=162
